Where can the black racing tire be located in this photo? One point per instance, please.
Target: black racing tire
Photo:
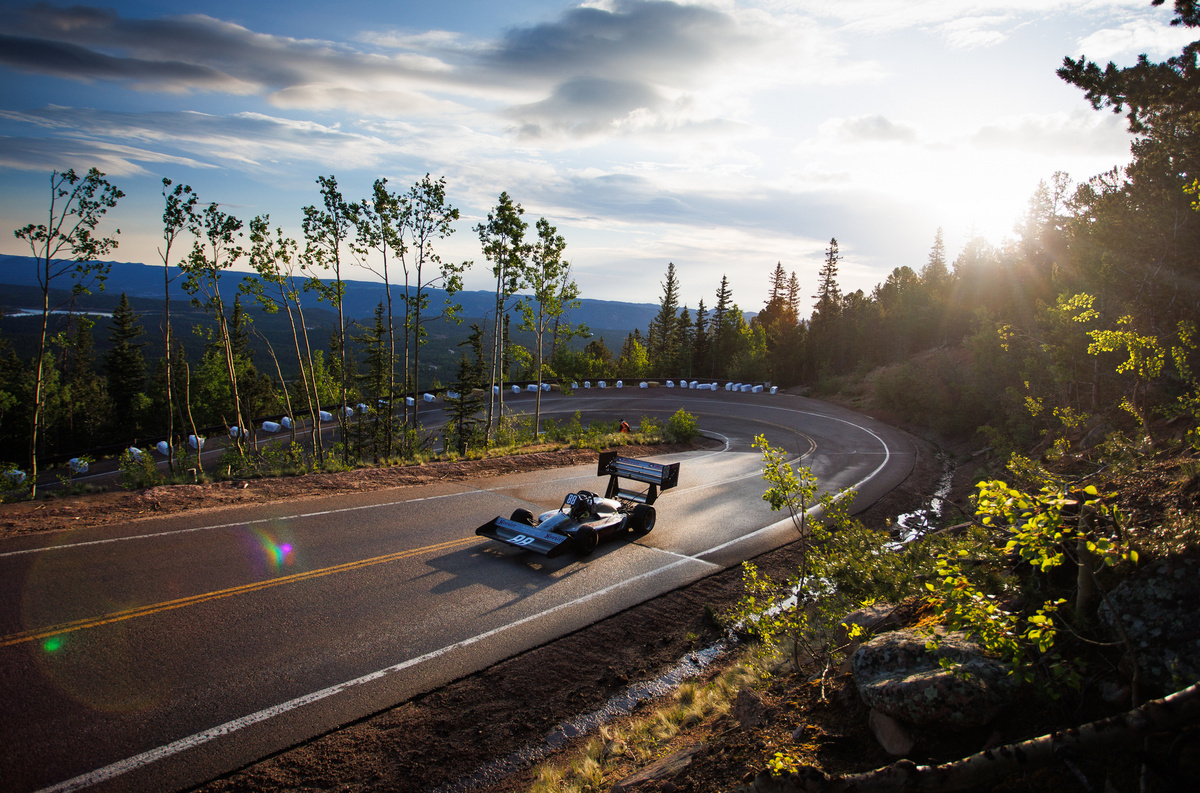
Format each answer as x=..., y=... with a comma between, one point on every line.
x=523, y=516
x=586, y=540
x=641, y=522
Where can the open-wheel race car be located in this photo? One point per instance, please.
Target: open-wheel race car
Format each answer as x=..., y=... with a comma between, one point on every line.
x=585, y=518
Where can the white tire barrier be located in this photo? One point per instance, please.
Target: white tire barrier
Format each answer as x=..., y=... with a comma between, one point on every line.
x=195, y=442
x=602, y=384
x=286, y=422
x=325, y=415
x=429, y=397
x=164, y=448
x=620, y=384
x=587, y=383
x=409, y=401
x=234, y=432
x=136, y=453
x=271, y=426
x=15, y=476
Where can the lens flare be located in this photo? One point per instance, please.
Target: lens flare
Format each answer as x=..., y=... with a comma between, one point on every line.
x=53, y=644
x=278, y=554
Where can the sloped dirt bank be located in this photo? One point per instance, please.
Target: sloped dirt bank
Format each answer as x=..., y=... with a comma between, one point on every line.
x=96, y=509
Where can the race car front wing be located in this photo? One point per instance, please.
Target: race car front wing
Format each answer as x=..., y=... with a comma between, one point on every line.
x=522, y=535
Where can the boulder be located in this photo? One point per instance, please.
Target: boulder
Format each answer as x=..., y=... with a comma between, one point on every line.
x=897, y=676
x=750, y=710
x=1157, y=608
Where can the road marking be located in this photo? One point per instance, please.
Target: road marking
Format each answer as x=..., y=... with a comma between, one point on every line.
x=237, y=524
x=146, y=758
x=37, y=634
x=229, y=727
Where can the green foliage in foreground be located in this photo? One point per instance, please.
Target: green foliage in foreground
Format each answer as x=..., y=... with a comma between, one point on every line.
x=994, y=581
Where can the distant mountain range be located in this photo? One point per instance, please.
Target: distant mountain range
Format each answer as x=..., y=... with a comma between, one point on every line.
x=361, y=297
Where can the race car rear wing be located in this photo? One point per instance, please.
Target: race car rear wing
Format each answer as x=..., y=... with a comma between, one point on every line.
x=657, y=475
x=522, y=535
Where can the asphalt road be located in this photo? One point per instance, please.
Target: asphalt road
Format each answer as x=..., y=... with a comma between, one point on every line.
x=158, y=654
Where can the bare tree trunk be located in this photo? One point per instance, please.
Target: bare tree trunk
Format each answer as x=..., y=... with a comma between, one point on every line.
x=39, y=385
x=1123, y=731
x=314, y=401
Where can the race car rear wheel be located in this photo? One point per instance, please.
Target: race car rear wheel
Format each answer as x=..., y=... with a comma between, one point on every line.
x=586, y=540
x=642, y=519
x=523, y=516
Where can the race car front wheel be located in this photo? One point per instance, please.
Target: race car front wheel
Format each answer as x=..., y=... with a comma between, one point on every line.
x=523, y=516
x=642, y=519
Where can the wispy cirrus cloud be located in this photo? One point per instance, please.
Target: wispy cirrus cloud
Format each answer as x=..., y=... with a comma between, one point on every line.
x=247, y=140
x=626, y=66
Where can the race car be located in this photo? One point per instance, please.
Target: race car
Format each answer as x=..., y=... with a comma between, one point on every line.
x=585, y=518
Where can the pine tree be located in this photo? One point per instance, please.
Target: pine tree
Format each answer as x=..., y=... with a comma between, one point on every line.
x=126, y=369
x=700, y=346
x=681, y=346
x=720, y=325
x=829, y=296
x=661, y=335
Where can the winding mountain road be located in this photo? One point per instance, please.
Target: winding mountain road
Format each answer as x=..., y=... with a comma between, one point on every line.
x=157, y=654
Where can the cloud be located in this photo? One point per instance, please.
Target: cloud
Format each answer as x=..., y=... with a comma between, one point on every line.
x=873, y=128
x=631, y=66
x=971, y=33
x=1078, y=132
x=72, y=61
x=1135, y=38
x=43, y=155
x=195, y=53
x=633, y=40
x=246, y=140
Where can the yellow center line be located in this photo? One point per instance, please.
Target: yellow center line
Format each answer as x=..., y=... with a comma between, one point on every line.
x=155, y=608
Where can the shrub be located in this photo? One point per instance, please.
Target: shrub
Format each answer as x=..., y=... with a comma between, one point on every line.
x=682, y=427
x=138, y=472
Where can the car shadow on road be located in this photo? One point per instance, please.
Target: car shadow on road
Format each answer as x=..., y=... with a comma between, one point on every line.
x=501, y=568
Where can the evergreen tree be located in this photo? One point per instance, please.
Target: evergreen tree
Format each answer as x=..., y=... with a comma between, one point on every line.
x=463, y=429
x=829, y=295
x=700, y=346
x=661, y=336
x=720, y=327
x=83, y=402
x=681, y=347
x=126, y=370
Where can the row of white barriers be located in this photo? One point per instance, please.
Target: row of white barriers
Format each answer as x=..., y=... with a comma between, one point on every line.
x=79, y=465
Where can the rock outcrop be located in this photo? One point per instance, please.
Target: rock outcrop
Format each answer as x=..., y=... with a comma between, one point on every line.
x=897, y=676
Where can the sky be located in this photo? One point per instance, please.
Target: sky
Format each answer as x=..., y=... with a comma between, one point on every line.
x=723, y=136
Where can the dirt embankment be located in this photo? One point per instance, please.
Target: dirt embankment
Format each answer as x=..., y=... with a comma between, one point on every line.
x=96, y=509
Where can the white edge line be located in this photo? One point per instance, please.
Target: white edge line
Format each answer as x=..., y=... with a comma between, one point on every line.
x=816, y=508
x=192, y=741
x=234, y=525
x=238, y=524
x=146, y=758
